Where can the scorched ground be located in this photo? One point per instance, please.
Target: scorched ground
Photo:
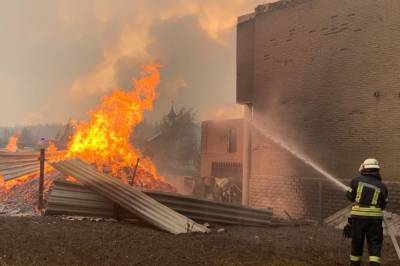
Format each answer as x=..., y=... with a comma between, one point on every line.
x=54, y=241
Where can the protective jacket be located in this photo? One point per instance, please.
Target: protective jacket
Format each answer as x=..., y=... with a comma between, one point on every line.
x=369, y=195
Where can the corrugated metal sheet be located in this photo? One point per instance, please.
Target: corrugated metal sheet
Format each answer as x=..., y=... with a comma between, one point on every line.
x=29, y=155
x=338, y=217
x=68, y=198
x=18, y=171
x=17, y=164
x=74, y=199
x=130, y=198
x=214, y=212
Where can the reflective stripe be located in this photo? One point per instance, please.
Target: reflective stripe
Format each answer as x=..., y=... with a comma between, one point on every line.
x=374, y=259
x=369, y=185
x=355, y=213
x=366, y=211
x=355, y=258
x=375, y=197
x=359, y=192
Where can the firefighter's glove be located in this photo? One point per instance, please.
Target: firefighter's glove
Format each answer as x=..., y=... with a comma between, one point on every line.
x=347, y=229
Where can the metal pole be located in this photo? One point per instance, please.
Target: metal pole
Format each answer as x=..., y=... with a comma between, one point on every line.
x=246, y=154
x=41, y=177
x=321, y=215
x=134, y=172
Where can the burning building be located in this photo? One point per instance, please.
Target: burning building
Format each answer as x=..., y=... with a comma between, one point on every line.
x=321, y=76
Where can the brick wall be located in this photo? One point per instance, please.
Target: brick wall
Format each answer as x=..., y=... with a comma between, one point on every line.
x=325, y=79
x=284, y=194
x=394, y=196
x=215, y=142
x=304, y=197
x=317, y=66
x=245, y=61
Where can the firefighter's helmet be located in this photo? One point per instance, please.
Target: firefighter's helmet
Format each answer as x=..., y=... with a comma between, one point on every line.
x=369, y=164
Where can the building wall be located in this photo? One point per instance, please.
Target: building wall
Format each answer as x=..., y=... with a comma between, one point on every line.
x=215, y=142
x=303, y=197
x=325, y=82
x=245, y=60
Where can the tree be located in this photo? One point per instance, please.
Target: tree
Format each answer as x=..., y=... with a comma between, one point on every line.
x=180, y=138
x=27, y=139
x=142, y=133
x=175, y=145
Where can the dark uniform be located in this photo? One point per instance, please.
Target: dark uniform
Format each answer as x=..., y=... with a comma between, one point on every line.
x=370, y=196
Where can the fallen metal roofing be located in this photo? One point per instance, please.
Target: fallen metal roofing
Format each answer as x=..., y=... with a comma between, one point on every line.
x=29, y=155
x=17, y=164
x=338, y=217
x=68, y=198
x=129, y=198
x=214, y=212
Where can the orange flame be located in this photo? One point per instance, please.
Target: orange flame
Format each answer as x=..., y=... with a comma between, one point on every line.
x=52, y=148
x=12, y=144
x=7, y=185
x=104, y=140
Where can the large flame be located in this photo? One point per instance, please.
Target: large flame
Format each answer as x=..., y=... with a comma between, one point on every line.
x=104, y=140
x=12, y=144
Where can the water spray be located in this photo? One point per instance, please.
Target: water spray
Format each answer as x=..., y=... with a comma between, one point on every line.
x=317, y=168
x=300, y=156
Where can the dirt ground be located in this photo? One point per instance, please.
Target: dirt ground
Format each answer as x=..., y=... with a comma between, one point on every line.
x=56, y=241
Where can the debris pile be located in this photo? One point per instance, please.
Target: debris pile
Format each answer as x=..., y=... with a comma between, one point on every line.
x=104, y=197
x=67, y=198
x=20, y=197
x=130, y=198
x=339, y=220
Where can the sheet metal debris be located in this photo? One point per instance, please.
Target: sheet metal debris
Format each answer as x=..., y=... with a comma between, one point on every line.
x=17, y=164
x=68, y=198
x=130, y=198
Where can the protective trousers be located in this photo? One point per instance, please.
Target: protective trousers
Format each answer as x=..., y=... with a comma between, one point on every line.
x=372, y=229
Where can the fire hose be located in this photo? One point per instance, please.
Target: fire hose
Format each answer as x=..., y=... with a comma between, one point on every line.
x=303, y=158
x=385, y=220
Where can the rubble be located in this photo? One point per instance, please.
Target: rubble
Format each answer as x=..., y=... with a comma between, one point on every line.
x=86, y=218
x=20, y=198
x=130, y=198
x=339, y=220
x=68, y=198
x=16, y=208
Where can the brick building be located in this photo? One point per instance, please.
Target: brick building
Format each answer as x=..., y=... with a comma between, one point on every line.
x=221, y=156
x=221, y=148
x=323, y=76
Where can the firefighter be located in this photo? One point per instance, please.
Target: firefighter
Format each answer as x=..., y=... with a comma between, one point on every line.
x=369, y=196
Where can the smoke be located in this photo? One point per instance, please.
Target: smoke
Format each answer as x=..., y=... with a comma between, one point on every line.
x=226, y=111
x=61, y=56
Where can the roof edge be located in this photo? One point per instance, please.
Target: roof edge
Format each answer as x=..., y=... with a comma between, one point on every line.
x=269, y=7
x=246, y=17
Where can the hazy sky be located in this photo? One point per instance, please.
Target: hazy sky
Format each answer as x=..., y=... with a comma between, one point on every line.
x=59, y=57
